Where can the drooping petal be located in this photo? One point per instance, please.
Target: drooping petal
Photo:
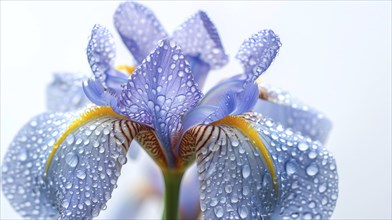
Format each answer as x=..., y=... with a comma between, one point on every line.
x=198, y=37
x=101, y=53
x=62, y=166
x=139, y=29
x=250, y=168
x=201, y=44
x=65, y=93
x=258, y=52
x=24, y=165
x=161, y=91
x=283, y=108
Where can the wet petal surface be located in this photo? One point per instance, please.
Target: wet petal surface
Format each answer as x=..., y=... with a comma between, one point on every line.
x=139, y=29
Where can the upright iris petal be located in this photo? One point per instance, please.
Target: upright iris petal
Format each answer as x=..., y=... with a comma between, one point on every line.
x=139, y=29
x=101, y=53
x=160, y=92
x=201, y=43
x=257, y=53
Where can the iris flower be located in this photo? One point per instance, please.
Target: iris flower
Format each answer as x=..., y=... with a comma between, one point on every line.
x=67, y=164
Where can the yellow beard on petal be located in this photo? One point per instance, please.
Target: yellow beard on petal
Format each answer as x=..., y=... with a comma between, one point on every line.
x=85, y=117
x=246, y=128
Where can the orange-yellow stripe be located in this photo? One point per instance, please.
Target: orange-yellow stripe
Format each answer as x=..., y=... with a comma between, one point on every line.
x=246, y=128
x=78, y=122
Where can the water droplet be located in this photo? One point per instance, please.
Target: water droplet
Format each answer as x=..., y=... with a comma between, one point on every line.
x=235, y=143
x=22, y=155
x=214, y=202
x=228, y=188
x=312, y=154
x=243, y=211
x=245, y=171
x=322, y=187
x=122, y=159
x=81, y=174
x=33, y=123
x=308, y=216
x=303, y=146
x=70, y=139
x=218, y=211
x=72, y=159
x=291, y=167
x=312, y=169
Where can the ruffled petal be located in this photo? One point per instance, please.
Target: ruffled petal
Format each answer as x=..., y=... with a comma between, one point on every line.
x=308, y=172
x=64, y=166
x=161, y=91
x=258, y=52
x=65, y=93
x=139, y=29
x=283, y=108
x=101, y=53
x=250, y=168
x=198, y=37
x=199, y=68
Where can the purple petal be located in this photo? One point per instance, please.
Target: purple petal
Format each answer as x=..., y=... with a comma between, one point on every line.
x=258, y=52
x=198, y=37
x=139, y=29
x=160, y=91
x=199, y=68
x=227, y=98
x=99, y=95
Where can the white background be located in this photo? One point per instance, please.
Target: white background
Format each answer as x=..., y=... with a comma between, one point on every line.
x=336, y=56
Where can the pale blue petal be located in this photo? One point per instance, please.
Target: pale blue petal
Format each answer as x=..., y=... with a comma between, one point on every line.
x=160, y=91
x=308, y=173
x=139, y=29
x=234, y=181
x=24, y=165
x=198, y=115
x=231, y=169
x=101, y=53
x=198, y=37
x=283, y=108
x=86, y=166
x=189, y=194
x=258, y=52
x=65, y=93
x=81, y=175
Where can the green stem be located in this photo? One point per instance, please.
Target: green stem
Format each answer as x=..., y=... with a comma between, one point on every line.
x=172, y=194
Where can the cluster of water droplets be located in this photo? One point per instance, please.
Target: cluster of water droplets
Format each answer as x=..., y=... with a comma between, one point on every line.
x=258, y=52
x=282, y=107
x=199, y=37
x=161, y=90
x=85, y=169
x=307, y=171
x=138, y=28
x=101, y=52
x=24, y=166
x=234, y=180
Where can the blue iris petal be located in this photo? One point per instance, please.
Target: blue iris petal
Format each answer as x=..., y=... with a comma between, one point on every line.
x=160, y=91
x=101, y=53
x=258, y=52
x=200, y=40
x=94, y=90
x=139, y=29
